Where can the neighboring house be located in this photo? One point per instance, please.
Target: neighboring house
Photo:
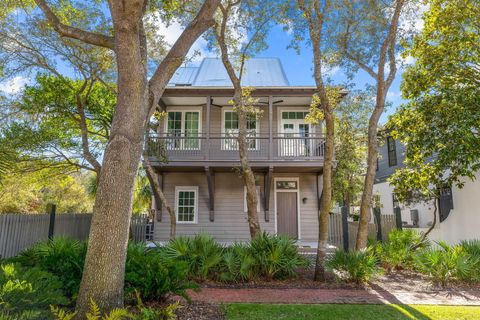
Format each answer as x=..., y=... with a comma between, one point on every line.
x=458, y=213
x=199, y=135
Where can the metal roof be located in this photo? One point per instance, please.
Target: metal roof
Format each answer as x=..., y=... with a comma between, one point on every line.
x=259, y=72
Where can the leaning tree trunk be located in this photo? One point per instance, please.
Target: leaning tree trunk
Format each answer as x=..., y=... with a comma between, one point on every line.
x=104, y=271
x=425, y=235
x=160, y=196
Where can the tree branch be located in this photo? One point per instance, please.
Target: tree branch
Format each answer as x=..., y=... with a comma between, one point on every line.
x=177, y=53
x=73, y=32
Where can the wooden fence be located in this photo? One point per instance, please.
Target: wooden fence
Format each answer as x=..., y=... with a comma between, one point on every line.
x=335, y=231
x=21, y=231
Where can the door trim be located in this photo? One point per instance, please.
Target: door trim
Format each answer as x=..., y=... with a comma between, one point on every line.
x=297, y=179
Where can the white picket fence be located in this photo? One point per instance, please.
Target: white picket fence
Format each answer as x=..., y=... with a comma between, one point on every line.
x=21, y=231
x=335, y=231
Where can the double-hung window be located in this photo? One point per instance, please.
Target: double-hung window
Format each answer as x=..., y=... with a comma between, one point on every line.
x=392, y=152
x=183, y=129
x=230, y=130
x=186, y=204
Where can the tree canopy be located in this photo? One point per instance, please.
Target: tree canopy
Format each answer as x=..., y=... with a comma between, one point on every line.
x=440, y=124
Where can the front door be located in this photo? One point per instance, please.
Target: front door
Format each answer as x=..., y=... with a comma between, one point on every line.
x=287, y=208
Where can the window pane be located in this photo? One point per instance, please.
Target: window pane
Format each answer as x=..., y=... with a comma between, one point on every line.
x=186, y=206
x=286, y=184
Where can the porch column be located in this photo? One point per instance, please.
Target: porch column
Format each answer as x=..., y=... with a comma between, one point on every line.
x=268, y=186
x=270, y=127
x=207, y=134
x=211, y=192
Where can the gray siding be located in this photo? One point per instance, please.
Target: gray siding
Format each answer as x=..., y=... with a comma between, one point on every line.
x=384, y=170
x=230, y=219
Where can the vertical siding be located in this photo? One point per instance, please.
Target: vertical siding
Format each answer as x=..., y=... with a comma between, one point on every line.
x=230, y=219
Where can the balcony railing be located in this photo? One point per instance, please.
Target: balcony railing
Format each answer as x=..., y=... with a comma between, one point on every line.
x=224, y=147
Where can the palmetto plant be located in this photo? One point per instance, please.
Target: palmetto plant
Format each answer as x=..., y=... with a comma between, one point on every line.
x=201, y=253
x=445, y=263
x=276, y=256
x=237, y=264
x=357, y=266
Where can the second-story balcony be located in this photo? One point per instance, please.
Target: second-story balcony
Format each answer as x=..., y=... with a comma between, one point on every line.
x=188, y=148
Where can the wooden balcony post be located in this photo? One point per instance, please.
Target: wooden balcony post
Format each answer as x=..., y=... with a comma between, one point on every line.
x=207, y=134
x=270, y=127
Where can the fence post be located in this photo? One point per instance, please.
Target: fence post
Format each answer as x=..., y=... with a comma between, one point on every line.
x=398, y=218
x=345, y=228
x=52, y=208
x=377, y=213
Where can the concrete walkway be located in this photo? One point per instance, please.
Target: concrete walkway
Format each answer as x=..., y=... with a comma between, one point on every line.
x=317, y=296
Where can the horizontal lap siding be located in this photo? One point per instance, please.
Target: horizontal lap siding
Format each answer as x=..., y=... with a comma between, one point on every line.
x=230, y=219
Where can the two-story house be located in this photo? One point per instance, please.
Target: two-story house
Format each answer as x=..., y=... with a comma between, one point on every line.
x=458, y=213
x=199, y=137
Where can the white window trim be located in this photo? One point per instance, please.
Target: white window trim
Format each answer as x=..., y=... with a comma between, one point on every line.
x=290, y=109
x=245, y=207
x=195, y=212
x=230, y=109
x=183, y=110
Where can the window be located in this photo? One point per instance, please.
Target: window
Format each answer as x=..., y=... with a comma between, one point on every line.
x=445, y=203
x=298, y=115
x=285, y=185
x=186, y=200
x=230, y=129
x=245, y=207
x=184, y=129
x=392, y=152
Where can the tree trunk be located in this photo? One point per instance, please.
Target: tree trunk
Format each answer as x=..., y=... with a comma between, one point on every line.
x=103, y=275
x=326, y=199
x=425, y=235
x=247, y=173
x=158, y=192
x=372, y=155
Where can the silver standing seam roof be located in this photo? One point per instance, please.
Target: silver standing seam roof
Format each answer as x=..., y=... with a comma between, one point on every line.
x=259, y=72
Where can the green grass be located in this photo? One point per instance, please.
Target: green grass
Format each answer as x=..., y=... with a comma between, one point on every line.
x=349, y=311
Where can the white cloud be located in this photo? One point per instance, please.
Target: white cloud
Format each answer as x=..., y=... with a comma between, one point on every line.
x=331, y=71
x=13, y=85
x=172, y=32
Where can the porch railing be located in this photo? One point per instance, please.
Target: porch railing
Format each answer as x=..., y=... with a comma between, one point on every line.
x=220, y=147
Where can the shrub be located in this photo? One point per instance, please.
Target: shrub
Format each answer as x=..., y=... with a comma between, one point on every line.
x=275, y=256
x=237, y=264
x=201, y=253
x=149, y=272
x=396, y=252
x=354, y=266
x=27, y=293
x=60, y=256
x=445, y=263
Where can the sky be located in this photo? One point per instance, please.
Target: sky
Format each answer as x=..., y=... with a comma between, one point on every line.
x=298, y=67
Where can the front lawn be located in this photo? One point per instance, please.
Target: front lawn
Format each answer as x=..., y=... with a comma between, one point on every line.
x=349, y=311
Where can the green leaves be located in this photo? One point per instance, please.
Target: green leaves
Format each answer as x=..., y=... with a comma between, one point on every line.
x=440, y=125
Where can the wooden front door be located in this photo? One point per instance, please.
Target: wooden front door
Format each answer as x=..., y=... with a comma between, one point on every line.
x=287, y=222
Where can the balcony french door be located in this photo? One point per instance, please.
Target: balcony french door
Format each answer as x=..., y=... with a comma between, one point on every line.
x=295, y=142
x=183, y=128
